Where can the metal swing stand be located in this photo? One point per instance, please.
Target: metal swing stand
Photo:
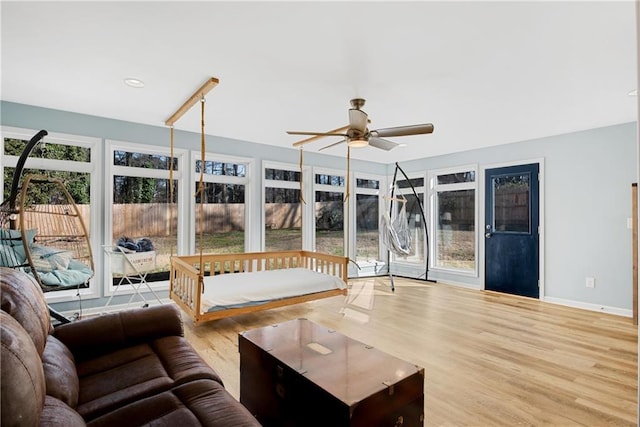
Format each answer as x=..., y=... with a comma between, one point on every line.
x=424, y=219
x=134, y=267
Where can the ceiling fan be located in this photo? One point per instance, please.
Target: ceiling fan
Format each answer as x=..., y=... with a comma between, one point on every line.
x=357, y=135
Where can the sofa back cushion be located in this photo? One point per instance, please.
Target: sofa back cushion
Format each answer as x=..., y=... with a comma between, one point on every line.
x=22, y=298
x=22, y=384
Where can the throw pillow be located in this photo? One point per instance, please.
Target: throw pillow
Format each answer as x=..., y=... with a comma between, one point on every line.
x=45, y=259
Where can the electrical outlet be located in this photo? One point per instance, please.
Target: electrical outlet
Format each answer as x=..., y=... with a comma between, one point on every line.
x=591, y=282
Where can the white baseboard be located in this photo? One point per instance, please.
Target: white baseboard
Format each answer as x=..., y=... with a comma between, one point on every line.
x=458, y=284
x=592, y=307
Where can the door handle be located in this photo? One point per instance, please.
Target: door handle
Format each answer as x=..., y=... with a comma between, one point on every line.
x=487, y=235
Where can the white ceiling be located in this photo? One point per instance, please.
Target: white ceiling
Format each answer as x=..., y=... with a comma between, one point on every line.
x=484, y=73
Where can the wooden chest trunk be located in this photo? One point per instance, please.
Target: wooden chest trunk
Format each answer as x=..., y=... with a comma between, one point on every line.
x=298, y=373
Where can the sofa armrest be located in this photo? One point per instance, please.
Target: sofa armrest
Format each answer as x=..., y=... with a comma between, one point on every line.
x=96, y=335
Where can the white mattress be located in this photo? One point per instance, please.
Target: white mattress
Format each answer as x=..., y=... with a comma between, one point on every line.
x=241, y=289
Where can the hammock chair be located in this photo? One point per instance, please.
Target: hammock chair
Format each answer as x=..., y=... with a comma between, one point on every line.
x=49, y=241
x=395, y=233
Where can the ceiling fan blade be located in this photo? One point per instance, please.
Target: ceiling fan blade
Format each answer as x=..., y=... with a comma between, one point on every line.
x=318, y=135
x=332, y=145
x=383, y=144
x=358, y=120
x=403, y=130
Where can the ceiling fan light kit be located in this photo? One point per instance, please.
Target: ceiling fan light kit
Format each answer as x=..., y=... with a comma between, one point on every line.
x=357, y=143
x=358, y=136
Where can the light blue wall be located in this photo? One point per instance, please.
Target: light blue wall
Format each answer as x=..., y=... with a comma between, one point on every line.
x=55, y=121
x=31, y=117
x=587, y=178
x=587, y=185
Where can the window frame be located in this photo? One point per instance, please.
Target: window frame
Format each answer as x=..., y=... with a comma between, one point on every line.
x=92, y=167
x=434, y=189
x=116, y=170
x=403, y=264
x=379, y=192
x=222, y=179
x=271, y=183
x=329, y=188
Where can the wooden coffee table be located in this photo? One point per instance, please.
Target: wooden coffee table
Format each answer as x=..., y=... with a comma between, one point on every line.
x=299, y=373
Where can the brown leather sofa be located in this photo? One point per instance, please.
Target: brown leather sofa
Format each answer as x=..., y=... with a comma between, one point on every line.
x=129, y=368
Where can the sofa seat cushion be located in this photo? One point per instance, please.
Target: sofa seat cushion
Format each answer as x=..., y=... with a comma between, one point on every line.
x=126, y=375
x=57, y=413
x=60, y=372
x=197, y=403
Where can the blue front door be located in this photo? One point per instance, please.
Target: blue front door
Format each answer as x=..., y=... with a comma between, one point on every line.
x=511, y=230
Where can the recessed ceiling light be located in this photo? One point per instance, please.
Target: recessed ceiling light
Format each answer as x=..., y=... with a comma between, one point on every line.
x=402, y=145
x=137, y=83
x=633, y=92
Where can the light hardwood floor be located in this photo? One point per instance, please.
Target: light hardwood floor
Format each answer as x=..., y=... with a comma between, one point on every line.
x=490, y=359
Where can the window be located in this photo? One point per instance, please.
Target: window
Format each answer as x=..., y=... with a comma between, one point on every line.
x=367, y=220
x=329, y=213
x=142, y=209
x=220, y=206
x=454, y=219
x=68, y=158
x=414, y=218
x=282, y=209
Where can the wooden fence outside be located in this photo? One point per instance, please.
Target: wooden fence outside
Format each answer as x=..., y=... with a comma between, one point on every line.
x=154, y=219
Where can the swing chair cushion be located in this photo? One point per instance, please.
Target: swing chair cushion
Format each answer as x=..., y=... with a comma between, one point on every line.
x=76, y=274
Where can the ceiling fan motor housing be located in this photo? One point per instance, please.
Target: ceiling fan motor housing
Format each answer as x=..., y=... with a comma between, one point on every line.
x=357, y=103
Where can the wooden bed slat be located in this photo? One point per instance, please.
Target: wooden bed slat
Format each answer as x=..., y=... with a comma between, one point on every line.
x=186, y=288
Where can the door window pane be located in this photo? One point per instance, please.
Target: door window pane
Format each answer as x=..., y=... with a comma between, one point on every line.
x=511, y=212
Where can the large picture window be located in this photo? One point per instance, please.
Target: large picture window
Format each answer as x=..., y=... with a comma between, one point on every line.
x=367, y=220
x=144, y=216
x=454, y=219
x=220, y=206
x=282, y=209
x=68, y=158
x=414, y=219
x=329, y=213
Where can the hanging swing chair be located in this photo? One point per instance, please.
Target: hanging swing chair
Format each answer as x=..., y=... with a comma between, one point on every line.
x=49, y=241
x=60, y=253
x=394, y=232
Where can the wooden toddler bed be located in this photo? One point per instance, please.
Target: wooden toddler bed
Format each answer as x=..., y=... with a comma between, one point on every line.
x=246, y=282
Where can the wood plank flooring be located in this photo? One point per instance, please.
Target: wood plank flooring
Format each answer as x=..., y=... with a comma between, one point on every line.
x=490, y=359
